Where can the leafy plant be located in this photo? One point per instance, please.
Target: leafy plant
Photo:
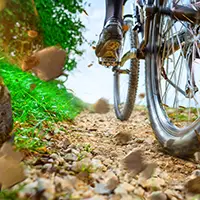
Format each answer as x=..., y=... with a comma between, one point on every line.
x=61, y=26
x=54, y=23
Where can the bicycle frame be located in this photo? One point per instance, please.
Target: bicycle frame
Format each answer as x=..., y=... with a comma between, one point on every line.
x=177, y=12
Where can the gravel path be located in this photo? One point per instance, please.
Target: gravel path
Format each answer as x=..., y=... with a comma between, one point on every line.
x=87, y=163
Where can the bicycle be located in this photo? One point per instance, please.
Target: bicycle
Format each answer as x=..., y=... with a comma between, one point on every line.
x=166, y=35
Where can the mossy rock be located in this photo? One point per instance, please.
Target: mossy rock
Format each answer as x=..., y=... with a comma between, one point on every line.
x=6, y=121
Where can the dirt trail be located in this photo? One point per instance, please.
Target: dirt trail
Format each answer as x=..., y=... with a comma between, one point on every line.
x=86, y=163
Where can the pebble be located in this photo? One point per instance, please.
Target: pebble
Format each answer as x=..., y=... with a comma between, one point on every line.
x=66, y=143
x=172, y=193
x=197, y=157
x=111, y=180
x=54, y=156
x=70, y=157
x=97, y=164
x=97, y=197
x=139, y=191
x=120, y=190
x=47, y=166
x=123, y=137
x=158, y=195
x=116, y=197
x=128, y=187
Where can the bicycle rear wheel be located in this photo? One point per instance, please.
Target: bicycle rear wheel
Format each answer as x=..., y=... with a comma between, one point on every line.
x=173, y=83
x=126, y=78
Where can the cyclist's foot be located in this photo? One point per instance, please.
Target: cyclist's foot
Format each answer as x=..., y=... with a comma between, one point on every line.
x=110, y=42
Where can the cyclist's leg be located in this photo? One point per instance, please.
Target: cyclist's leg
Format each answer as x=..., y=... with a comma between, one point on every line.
x=114, y=9
x=111, y=37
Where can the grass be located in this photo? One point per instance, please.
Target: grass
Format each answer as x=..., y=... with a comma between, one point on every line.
x=8, y=195
x=36, y=105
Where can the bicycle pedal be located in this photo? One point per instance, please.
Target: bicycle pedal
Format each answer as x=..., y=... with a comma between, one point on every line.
x=108, y=62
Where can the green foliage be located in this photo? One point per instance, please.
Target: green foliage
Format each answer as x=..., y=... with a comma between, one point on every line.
x=56, y=22
x=9, y=195
x=60, y=25
x=35, y=104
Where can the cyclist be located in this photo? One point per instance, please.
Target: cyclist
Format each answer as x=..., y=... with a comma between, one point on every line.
x=110, y=39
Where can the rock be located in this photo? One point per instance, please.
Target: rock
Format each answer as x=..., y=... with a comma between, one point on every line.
x=88, y=194
x=54, y=156
x=139, y=140
x=139, y=191
x=74, y=151
x=6, y=121
x=126, y=197
x=29, y=189
x=65, y=183
x=128, y=187
x=123, y=137
x=97, y=164
x=84, y=163
x=101, y=188
x=101, y=106
x=111, y=180
x=107, y=162
x=66, y=143
x=50, y=160
x=158, y=195
x=120, y=190
x=106, y=182
x=70, y=157
x=43, y=187
x=47, y=166
x=154, y=184
x=97, y=197
x=196, y=173
x=172, y=193
x=197, y=157
x=116, y=197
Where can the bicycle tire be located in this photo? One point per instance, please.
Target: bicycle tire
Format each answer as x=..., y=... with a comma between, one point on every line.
x=125, y=113
x=180, y=142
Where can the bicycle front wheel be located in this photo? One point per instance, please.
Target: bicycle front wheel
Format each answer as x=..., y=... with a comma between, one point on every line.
x=173, y=83
x=126, y=78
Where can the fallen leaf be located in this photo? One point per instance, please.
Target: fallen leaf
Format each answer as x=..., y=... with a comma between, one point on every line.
x=125, y=28
x=84, y=11
x=7, y=150
x=32, y=86
x=47, y=64
x=123, y=137
x=141, y=95
x=193, y=185
x=149, y=170
x=90, y=65
x=32, y=33
x=11, y=172
x=134, y=162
